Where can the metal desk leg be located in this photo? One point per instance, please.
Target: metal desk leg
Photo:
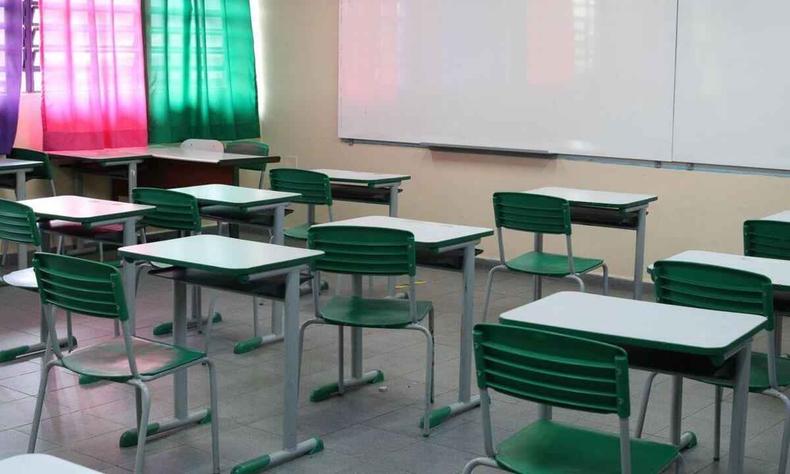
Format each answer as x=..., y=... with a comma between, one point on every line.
x=740, y=401
x=180, y=402
x=681, y=440
x=465, y=399
x=276, y=335
x=21, y=194
x=393, y=213
x=538, y=289
x=132, y=179
x=358, y=377
x=639, y=258
x=292, y=448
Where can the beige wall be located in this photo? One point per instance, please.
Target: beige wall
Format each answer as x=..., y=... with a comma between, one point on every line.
x=299, y=89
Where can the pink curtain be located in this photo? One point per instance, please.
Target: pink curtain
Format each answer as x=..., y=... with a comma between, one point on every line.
x=93, y=77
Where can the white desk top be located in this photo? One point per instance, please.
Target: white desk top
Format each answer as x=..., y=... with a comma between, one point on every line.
x=596, y=198
x=226, y=194
x=83, y=209
x=41, y=464
x=163, y=152
x=221, y=254
x=431, y=234
x=778, y=271
x=199, y=156
x=640, y=323
x=362, y=177
x=783, y=216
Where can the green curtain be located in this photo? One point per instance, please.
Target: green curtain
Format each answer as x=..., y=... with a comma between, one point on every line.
x=200, y=65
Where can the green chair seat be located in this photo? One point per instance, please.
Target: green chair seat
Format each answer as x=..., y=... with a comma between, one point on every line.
x=298, y=233
x=234, y=214
x=108, y=360
x=372, y=313
x=550, y=264
x=758, y=380
x=547, y=447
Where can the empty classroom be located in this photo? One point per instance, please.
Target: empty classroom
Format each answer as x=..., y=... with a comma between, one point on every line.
x=394, y=236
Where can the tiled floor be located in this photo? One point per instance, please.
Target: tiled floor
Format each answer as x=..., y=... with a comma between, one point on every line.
x=372, y=430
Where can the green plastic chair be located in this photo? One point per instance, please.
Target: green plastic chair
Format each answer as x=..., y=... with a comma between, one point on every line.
x=44, y=172
x=359, y=251
x=315, y=190
x=250, y=147
x=540, y=215
x=725, y=289
x=96, y=289
x=175, y=211
x=567, y=372
x=18, y=225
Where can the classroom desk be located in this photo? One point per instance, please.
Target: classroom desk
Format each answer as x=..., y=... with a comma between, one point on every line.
x=783, y=216
x=93, y=212
x=778, y=271
x=662, y=332
x=248, y=200
x=438, y=238
x=607, y=209
x=20, y=168
x=245, y=261
x=361, y=186
x=111, y=158
x=41, y=464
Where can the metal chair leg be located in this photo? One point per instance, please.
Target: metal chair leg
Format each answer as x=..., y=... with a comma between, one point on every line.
x=42, y=392
x=429, y=364
x=5, y=252
x=489, y=285
x=340, y=360
x=301, y=345
x=431, y=317
x=578, y=279
x=605, y=279
x=69, y=332
x=717, y=424
x=142, y=426
x=471, y=465
x=212, y=384
x=640, y=422
x=783, y=448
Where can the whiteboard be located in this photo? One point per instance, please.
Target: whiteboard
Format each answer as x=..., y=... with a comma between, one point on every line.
x=588, y=77
x=733, y=92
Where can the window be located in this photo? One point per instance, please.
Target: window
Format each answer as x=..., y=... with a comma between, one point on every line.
x=31, y=42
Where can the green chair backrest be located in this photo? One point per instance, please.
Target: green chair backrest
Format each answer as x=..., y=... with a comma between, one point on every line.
x=552, y=369
x=249, y=147
x=43, y=172
x=18, y=223
x=532, y=213
x=314, y=187
x=174, y=210
x=711, y=287
x=82, y=286
x=768, y=239
x=364, y=250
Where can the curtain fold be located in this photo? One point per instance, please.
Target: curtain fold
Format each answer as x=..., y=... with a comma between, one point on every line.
x=201, y=70
x=10, y=71
x=93, y=76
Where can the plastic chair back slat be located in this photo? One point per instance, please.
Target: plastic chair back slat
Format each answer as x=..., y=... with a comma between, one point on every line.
x=81, y=286
x=173, y=210
x=18, y=223
x=42, y=172
x=314, y=187
x=712, y=287
x=768, y=239
x=532, y=213
x=364, y=250
x=554, y=369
